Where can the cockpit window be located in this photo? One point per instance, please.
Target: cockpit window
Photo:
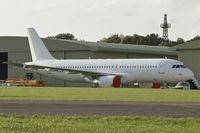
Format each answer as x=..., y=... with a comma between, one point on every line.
x=182, y=66
x=178, y=66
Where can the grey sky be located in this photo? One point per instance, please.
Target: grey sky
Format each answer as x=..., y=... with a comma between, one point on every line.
x=93, y=19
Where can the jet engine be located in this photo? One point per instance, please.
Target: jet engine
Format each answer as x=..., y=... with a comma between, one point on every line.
x=109, y=81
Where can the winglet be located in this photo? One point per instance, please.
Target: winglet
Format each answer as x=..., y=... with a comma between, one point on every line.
x=37, y=47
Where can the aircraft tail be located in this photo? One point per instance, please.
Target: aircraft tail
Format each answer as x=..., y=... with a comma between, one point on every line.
x=37, y=47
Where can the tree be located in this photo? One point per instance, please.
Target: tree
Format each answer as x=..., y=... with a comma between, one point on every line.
x=129, y=40
x=142, y=40
x=52, y=37
x=135, y=39
x=195, y=38
x=138, y=39
x=153, y=39
x=115, y=38
x=179, y=41
x=67, y=36
x=168, y=43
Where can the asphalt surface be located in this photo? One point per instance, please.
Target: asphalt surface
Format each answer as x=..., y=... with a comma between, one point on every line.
x=100, y=108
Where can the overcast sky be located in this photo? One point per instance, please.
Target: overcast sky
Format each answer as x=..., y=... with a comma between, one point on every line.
x=92, y=20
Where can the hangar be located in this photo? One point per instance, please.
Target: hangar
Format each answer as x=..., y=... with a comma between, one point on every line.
x=189, y=53
x=17, y=49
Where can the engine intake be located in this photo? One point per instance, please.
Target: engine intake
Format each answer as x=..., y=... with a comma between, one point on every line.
x=109, y=81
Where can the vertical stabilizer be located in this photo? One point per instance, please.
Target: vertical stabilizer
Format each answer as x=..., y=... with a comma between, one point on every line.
x=37, y=47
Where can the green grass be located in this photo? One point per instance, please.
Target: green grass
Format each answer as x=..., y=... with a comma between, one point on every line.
x=99, y=94
x=97, y=124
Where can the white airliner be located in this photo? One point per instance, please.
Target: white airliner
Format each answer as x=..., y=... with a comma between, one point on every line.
x=103, y=72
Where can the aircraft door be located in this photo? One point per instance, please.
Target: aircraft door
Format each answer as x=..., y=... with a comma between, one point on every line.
x=162, y=70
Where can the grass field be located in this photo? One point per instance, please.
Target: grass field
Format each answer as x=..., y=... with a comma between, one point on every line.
x=97, y=124
x=99, y=94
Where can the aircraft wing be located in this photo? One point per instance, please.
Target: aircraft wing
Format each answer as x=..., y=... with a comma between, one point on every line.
x=70, y=71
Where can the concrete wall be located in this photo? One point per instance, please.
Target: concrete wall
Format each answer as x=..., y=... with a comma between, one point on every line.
x=145, y=56
x=109, y=55
x=19, y=57
x=117, y=55
x=191, y=59
x=78, y=54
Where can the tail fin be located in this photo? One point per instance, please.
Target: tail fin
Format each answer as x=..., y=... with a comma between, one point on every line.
x=37, y=47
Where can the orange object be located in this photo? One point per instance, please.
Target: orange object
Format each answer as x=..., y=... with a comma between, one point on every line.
x=156, y=85
x=24, y=82
x=116, y=82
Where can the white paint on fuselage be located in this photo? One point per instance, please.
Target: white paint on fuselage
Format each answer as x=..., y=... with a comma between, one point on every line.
x=133, y=70
x=130, y=70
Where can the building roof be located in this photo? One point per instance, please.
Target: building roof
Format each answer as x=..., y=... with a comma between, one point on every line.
x=7, y=43
x=128, y=48
x=188, y=45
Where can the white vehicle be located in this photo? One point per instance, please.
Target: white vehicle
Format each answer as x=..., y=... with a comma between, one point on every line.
x=182, y=85
x=103, y=72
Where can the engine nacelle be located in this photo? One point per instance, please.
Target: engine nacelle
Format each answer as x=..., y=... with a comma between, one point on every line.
x=109, y=81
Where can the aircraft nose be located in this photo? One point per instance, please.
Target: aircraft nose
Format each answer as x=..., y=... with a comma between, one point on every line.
x=188, y=74
x=185, y=75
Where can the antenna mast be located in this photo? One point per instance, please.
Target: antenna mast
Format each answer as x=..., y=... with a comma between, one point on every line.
x=165, y=27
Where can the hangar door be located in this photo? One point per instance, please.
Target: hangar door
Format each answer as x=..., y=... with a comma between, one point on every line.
x=3, y=67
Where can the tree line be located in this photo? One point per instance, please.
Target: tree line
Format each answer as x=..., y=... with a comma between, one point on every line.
x=150, y=39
